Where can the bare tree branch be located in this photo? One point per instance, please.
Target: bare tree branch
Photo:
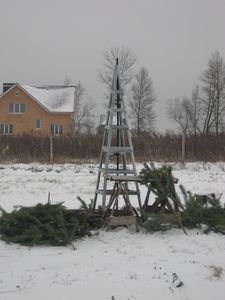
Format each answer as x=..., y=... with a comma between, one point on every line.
x=83, y=112
x=142, y=102
x=178, y=111
x=126, y=62
x=194, y=111
x=213, y=88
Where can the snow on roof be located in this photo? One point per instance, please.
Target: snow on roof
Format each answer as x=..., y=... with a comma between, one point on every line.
x=54, y=98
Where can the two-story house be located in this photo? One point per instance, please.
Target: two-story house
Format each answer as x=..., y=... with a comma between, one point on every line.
x=36, y=109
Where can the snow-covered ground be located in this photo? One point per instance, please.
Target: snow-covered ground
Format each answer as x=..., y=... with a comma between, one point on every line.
x=120, y=264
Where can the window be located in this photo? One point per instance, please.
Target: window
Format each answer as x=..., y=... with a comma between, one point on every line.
x=56, y=129
x=17, y=93
x=17, y=108
x=6, y=128
x=38, y=124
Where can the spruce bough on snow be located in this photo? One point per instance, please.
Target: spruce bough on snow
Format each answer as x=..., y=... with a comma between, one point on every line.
x=198, y=212
x=45, y=224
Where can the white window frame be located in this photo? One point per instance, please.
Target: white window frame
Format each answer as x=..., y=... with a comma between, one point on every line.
x=17, y=108
x=36, y=127
x=6, y=129
x=56, y=129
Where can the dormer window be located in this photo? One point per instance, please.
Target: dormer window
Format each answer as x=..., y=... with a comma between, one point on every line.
x=17, y=108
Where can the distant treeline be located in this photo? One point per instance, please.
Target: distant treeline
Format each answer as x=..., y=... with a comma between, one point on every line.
x=156, y=147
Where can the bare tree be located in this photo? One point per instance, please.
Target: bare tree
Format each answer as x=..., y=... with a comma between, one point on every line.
x=83, y=112
x=213, y=88
x=83, y=117
x=142, y=102
x=194, y=111
x=126, y=62
x=178, y=111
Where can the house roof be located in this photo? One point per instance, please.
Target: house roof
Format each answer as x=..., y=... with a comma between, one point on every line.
x=54, y=98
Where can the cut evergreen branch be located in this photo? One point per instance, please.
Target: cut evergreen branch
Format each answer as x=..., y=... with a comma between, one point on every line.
x=162, y=184
x=46, y=224
x=152, y=222
x=203, y=210
x=89, y=207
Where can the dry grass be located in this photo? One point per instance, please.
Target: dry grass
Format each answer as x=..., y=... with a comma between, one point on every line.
x=156, y=147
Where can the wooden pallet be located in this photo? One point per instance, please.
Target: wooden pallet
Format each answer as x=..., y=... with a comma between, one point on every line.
x=122, y=220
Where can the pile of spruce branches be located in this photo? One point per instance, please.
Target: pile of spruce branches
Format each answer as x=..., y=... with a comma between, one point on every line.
x=196, y=210
x=203, y=210
x=47, y=224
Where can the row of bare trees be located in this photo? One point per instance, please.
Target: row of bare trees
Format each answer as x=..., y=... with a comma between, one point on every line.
x=204, y=111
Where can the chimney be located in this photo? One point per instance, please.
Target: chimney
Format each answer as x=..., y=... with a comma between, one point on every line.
x=7, y=86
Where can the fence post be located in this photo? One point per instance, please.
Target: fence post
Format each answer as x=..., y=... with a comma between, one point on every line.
x=183, y=147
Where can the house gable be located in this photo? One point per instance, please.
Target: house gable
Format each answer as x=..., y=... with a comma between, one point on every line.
x=58, y=99
x=18, y=87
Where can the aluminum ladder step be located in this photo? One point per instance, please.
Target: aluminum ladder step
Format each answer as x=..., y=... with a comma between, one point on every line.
x=115, y=171
x=109, y=192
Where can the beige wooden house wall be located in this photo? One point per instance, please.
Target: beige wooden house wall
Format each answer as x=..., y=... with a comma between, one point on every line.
x=25, y=122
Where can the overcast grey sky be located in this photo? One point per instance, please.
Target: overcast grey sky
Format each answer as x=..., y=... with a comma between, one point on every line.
x=43, y=41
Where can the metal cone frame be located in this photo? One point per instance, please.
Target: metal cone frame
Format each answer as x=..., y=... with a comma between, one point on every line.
x=116, y=152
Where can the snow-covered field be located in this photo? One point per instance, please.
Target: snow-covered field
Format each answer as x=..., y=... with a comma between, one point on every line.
x=120, y=264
